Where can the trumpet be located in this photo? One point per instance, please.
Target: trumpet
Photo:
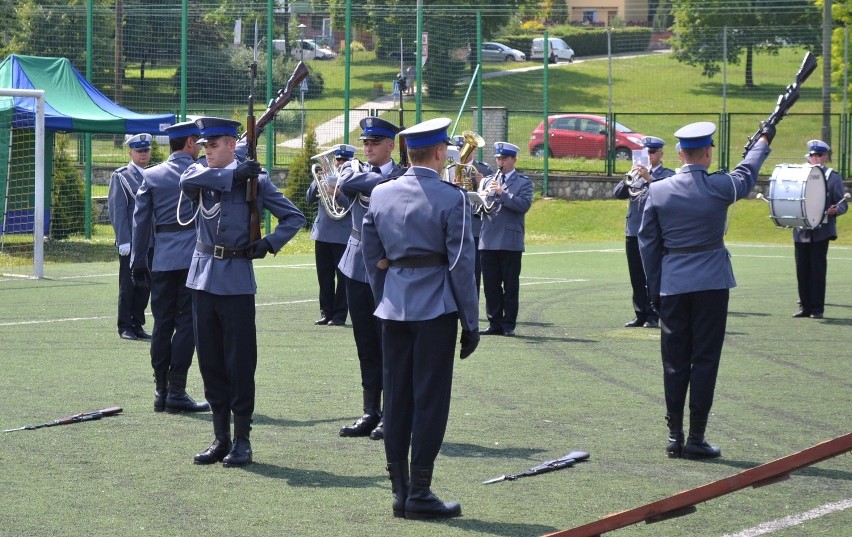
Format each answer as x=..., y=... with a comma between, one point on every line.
x=326, y=176
x=460, y=173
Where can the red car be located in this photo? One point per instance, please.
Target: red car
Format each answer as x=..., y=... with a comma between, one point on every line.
x=583, y=135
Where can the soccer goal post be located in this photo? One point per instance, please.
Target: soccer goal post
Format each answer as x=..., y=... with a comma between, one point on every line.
x=22, y=182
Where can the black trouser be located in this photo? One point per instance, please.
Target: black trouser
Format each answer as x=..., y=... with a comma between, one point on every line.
x=332, y=296
x=226, y=339
x=418, y=381
x=811, y=271
x=693, y=331
x=367, y=332
x=501, y=272
x=641, y=302
x=477, y=264
x=173, y=338
x=132, y=300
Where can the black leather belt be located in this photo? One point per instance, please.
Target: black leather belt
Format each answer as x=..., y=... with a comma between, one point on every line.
x=420, y=261
x=219, y=252
x=355, y=234
x=166, y=228
x=694, y=249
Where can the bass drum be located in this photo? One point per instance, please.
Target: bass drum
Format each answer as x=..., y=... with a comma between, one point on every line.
x=797, y=194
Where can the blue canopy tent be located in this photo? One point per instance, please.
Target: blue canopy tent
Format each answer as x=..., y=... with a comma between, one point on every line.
x=72, y=104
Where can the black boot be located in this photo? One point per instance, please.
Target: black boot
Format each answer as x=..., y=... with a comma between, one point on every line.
x=240, y=454
x=221, y=441
x=399, y=486
x=162, y=383
x=421, y=503
x=697, y=446
x=379, y=432
x=364, y=425
x=178, y=400
x=675, y=448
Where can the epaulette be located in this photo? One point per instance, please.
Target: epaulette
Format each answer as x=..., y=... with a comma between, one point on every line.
x=119, y=170
x=453, y=185
x=720, y=170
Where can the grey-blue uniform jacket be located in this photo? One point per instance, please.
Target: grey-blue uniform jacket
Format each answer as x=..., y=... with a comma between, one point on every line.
x=828, y=230
x=688, y=211
x=157, y=205
x=415, y=215
x=121, y=201
x=226, y=224
x=504, y=228
x=357, y=183
x=326, y=228
x=637, y=199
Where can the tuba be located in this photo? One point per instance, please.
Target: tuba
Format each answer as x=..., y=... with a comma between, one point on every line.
x=464, y=174
x=326, y=176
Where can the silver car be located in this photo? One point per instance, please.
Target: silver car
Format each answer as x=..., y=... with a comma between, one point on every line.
x=498, y=52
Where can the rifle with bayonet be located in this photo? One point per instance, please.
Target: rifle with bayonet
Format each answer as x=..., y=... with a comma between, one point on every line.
x=785, y=101
x=557, y=464
x=76, y=418
x=251, y=147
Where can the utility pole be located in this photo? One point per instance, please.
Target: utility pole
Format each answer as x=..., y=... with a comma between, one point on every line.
x=826, y=72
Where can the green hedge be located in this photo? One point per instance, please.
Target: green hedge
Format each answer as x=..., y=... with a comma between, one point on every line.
x=588, y=41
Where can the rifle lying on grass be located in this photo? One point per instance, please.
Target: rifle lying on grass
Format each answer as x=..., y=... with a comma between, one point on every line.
x=76, y=418
x=563, y=462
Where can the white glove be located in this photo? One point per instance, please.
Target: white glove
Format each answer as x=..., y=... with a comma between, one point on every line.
x=124, y=249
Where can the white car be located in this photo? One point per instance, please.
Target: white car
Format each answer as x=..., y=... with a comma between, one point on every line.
x=558, y=49
x=306, y=49
x=498, y=52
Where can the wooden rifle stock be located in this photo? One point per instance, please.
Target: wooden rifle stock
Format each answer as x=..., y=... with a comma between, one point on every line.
x=251, y=148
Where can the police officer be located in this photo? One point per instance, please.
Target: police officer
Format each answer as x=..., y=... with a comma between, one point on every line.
x=123, y=185
x=172, y=343
x=690, y=275
x=501, y=242
x=635, y=192
x=330, y=237
x=811, y=245
x=221, y=277
x=357, y=181
x=418, y=250
x=482, y=171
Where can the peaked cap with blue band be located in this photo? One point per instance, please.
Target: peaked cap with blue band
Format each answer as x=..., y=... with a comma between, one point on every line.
x=696, y=135
x=344, y=151
x=376, y=128
x=139, y=142
x=427, y=133
x=818, y=146
x=213, y=127
x=185, y=128
x=652, y=142
x=505, y=149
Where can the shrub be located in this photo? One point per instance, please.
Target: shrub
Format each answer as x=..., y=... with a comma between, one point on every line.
x=67, y=216
x=299, y=178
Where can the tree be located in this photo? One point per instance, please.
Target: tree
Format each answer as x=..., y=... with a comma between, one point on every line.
x=299, y=178
x=753, y=26
x=841, y=15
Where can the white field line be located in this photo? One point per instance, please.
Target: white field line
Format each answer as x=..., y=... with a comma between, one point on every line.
x=793, y=520
x=102, y=317
x=549, y=281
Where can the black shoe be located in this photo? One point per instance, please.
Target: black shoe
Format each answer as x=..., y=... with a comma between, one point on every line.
x=700, y=449
x=802, y=313
x=128, y=334
x=491, y=331
x=674, y=450
x=240, y=454
x=509, y=332
x=182, y=402
x=363, y=426
x=321, y=321
x=217, y=451
x=141, y=333
x=651, y=324
x=635, y=323
x=336, y=323
x=379, y=432
x=816, y=315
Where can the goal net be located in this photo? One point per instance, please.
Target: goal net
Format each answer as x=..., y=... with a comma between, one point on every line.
x=24, y=207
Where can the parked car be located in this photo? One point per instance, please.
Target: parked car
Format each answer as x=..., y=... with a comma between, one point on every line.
x=305, y=49
x=558, y=49
x=498, y=52
x=583, y=135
